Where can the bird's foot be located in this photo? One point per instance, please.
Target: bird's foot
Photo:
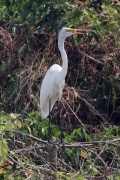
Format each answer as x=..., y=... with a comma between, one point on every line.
x=54, y=143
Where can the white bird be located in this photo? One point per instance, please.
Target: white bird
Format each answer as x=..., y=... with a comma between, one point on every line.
x=54, y=80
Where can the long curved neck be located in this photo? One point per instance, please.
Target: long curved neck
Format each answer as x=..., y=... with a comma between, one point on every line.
x=63, y=72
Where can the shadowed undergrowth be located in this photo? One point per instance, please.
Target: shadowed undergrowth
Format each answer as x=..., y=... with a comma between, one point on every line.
x=91, y=93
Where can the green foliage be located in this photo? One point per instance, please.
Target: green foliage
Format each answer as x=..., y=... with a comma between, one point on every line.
x=53, y=15
x=45, y=14
x=80, y=133
x=3, y=150
x=5, y=125
x=109, y=133
x=32, y=124
x=24, y=20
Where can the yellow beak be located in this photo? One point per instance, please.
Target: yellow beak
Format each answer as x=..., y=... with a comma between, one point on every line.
x=76, y=31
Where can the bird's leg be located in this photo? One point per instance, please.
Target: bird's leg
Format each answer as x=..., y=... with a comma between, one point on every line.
x=61, y=136
x=49, y=130
x=59, y=116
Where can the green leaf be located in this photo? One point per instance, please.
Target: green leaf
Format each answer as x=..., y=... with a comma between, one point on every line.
x=77, y=13
x=94, y=171
x=2, y=177
x=3, y=150
x=22, y=48
x=88, y=161
x=28, y=4
x=25, y=14
x=111, y=80
x=13, y=23
x=60, y=24
x=33, y=16
x=112, y=26
x=9, y=126
x=2, y=128
x=118, y=43
x=110, y=177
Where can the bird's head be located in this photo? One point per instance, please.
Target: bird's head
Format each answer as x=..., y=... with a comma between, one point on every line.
x=66, y=32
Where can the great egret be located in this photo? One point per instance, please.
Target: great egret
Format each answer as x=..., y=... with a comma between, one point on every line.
x=54, y=80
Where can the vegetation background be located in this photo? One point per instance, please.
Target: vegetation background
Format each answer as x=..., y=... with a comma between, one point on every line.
x=91, y=98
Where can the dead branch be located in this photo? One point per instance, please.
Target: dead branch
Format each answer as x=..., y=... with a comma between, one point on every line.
x=75, y=114
x=67, y=145
x=92, y=109
x=32, y=137
x=91, y=58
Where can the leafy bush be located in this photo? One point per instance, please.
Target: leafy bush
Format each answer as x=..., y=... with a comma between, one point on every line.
x=17, y=141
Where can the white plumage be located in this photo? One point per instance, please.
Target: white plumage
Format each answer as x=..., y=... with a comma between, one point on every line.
x=50, y=90
x=54, y=80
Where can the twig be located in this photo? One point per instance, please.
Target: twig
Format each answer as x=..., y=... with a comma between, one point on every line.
x=97, y=156
x=27, y=149
x=75, y=115
x=94, y=143
x=32, y=137
x=89, y=57
x=16, y=162
x=92, y=109
x=74, y=145
x=66, y=165
x=28, y=178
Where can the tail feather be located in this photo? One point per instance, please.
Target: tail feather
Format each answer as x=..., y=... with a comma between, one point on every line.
x=45, y=110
